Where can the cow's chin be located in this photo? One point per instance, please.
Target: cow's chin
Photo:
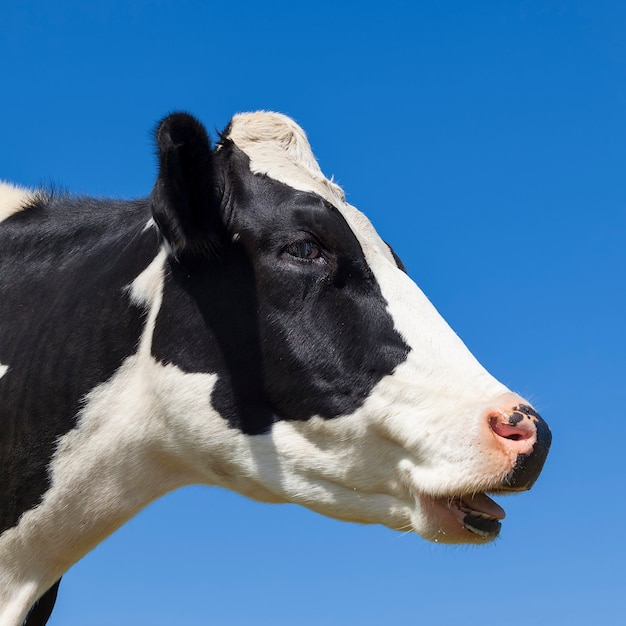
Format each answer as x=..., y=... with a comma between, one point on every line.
x=470, y=518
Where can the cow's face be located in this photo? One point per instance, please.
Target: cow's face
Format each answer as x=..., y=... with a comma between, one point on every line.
x=343, y=388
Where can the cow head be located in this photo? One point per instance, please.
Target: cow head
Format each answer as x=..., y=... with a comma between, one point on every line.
x=297, y=360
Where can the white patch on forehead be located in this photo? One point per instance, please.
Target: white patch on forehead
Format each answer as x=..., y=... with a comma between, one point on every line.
x=13, y=199
x=278, y=148
x=3, y=370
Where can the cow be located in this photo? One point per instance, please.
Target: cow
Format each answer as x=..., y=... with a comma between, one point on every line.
x=242, y=326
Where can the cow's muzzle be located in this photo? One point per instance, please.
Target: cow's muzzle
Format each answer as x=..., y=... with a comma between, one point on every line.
x=522, y=440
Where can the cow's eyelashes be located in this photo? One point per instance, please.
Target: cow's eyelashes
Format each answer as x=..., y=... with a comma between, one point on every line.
x=306, y=250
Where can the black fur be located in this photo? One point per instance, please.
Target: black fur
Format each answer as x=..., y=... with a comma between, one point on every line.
x=185, y=201
x=289, y=336
x=66, y=326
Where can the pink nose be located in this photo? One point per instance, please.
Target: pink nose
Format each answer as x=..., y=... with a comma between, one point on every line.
x=516, y=428
x=522, y=431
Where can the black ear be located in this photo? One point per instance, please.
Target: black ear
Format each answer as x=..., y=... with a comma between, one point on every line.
x=185, y=199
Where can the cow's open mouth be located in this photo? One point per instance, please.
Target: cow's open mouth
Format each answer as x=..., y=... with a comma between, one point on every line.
x=478, y=513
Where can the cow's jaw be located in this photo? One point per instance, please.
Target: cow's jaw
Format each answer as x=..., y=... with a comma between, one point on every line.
x=477, y=514
x=352, y=469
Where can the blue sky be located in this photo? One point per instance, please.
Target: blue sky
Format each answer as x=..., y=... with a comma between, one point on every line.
x=487, y=143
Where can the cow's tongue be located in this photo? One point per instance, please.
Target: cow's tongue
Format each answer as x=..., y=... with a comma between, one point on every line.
x=481, y=505
x=481, y=515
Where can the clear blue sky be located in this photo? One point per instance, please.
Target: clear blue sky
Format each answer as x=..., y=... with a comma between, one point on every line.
x=487, y=142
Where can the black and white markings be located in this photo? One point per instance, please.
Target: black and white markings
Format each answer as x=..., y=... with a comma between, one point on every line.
x=242, y=326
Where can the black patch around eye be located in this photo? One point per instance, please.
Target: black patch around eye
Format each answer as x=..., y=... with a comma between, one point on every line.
x=309, y=335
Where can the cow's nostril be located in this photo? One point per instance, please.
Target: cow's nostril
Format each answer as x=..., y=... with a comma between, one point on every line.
x=501, y=426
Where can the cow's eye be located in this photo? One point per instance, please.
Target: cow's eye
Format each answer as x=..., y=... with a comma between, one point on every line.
x=307, y=250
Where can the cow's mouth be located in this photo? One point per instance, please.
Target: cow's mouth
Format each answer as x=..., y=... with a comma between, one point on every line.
x=477, y=513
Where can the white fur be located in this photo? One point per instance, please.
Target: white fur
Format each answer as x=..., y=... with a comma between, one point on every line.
x=3, y=370
x=13, y=199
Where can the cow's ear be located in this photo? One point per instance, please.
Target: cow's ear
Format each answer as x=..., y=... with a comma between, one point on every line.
x=185, y=199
